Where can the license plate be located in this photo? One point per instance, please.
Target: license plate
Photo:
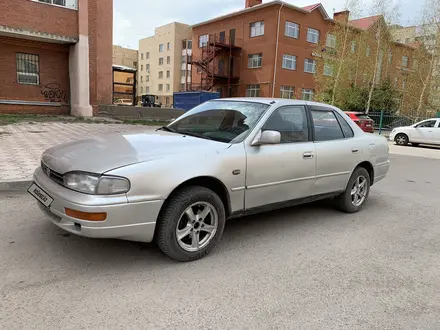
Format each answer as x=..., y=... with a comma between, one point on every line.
x=40, y=195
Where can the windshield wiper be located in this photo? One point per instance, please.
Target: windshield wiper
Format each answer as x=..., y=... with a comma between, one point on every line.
x=194, y=134
x=166, y=128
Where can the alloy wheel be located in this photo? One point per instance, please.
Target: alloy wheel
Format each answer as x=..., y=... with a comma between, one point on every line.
x=197, y=226
x=359, y=191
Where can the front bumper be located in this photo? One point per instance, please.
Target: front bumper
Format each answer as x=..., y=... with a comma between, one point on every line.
x=127, y=221
x=392, y=136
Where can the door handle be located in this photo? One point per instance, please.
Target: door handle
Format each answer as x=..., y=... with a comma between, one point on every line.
x=355, y=150
x=308, y=155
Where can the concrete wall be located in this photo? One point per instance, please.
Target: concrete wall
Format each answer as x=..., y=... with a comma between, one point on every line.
x=125, y=56
x=127, y=112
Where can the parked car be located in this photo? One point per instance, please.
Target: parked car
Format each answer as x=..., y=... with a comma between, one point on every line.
x=362, y=120
x=123, y=102
x=225, y=158
x=424, y=132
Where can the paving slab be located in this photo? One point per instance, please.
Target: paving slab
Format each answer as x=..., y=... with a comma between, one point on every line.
x=21, y=145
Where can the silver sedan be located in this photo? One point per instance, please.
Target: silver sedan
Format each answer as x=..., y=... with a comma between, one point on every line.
x=223, y=159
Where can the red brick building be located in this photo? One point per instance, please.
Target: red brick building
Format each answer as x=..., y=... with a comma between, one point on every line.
x=55, y=55
x=274, y=50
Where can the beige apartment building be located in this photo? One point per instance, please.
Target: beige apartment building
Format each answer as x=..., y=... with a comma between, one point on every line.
x=125, y=57
x=164, y=62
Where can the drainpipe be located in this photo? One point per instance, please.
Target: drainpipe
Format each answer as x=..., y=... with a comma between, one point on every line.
x=276, y=52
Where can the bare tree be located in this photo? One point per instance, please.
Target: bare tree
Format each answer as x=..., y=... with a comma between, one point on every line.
x=387, y=11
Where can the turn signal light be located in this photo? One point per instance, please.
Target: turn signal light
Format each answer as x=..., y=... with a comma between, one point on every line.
x=86, y=215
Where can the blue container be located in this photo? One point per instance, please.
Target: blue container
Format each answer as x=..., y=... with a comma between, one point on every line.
x=188, y=100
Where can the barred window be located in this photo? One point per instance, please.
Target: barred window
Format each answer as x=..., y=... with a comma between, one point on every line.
x=28, y=69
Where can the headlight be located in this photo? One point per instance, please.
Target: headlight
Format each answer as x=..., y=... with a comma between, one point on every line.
x=95, y=184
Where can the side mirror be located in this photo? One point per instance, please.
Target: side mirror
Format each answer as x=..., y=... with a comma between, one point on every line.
x=267, y=137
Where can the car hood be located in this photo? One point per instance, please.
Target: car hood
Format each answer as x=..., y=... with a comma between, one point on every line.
x=104, y=153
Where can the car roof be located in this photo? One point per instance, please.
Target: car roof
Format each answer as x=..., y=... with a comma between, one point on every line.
x=270, y=101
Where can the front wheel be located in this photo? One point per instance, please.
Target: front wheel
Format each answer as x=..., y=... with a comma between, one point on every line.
x=191, y=224
x=356, y=194
x=401, y=139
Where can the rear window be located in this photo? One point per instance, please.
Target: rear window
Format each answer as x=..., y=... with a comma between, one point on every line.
x=363, y=116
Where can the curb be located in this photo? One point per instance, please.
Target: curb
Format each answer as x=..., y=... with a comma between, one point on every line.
x=12, y=185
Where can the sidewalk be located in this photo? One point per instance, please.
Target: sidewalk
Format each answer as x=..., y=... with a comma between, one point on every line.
x=21, y=145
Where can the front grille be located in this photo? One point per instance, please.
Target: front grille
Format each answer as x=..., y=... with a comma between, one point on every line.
x=54, y=176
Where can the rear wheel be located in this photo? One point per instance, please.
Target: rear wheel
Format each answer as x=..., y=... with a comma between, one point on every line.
x=401, y=139
x=356, y=193
x=191, y=224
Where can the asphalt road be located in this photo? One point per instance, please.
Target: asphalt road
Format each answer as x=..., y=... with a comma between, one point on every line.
x=308, y=267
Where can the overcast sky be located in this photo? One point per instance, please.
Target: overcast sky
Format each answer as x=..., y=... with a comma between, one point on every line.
x=136, y=19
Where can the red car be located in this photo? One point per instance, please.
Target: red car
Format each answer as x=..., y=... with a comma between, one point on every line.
x=363, y=121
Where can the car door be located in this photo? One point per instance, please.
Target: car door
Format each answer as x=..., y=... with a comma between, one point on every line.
x=423, y=132
x=286, y=171
x=337, y=150
x=436, y=131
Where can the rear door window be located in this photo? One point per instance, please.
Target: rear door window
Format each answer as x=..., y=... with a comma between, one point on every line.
x=326, y=125
x=346, y=129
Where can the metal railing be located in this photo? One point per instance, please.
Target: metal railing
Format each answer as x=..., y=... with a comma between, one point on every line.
x=385, y=122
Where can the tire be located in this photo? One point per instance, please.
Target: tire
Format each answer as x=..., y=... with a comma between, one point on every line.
x=183, y=212
x=401, y=139
x=346, y=201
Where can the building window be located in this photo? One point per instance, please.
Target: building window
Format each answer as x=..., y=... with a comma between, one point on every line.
x=167, y=100
x=307, y=94
x=28, y=69
x=328, y=69
x=142, y=89
x=147, y=55
x=292, y=30
x=203, y=40
x=168, y=59
x=190, y=44
x=142, y=78
x=142, y=67
x=169, y=46
x=390, y=58
x=253, y=91
x=287, y=92
x=364, y=77
x=403, y=84
x=147, y=67
x=309, y=65
x=255, y=60
x=289, y=62
x=168, y=73
x=257, y=29
x=168, y=87
x=331, y=41
x=415, y=64
x=313, y=35
x=160, y=88
x=405, y=61
x=147, y=89
x=353, y=46
x=368, y=51
x=161, y=48
x=182, y=73
x=135, y=64
x=63, y=3
x=396, y=82
x=147, y=78
x=160, y=74
x=161, y=61
x=142, y=56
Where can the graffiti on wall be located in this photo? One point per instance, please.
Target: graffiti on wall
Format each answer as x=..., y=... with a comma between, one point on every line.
x=53, y=92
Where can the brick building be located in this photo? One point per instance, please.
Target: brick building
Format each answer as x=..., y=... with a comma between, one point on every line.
x=274, y=50
x=55, y=55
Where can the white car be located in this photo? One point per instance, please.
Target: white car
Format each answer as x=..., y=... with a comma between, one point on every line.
x=424, y=132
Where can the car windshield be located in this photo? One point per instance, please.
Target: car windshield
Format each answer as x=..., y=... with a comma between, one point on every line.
x=362, y=116
x=223, y=121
